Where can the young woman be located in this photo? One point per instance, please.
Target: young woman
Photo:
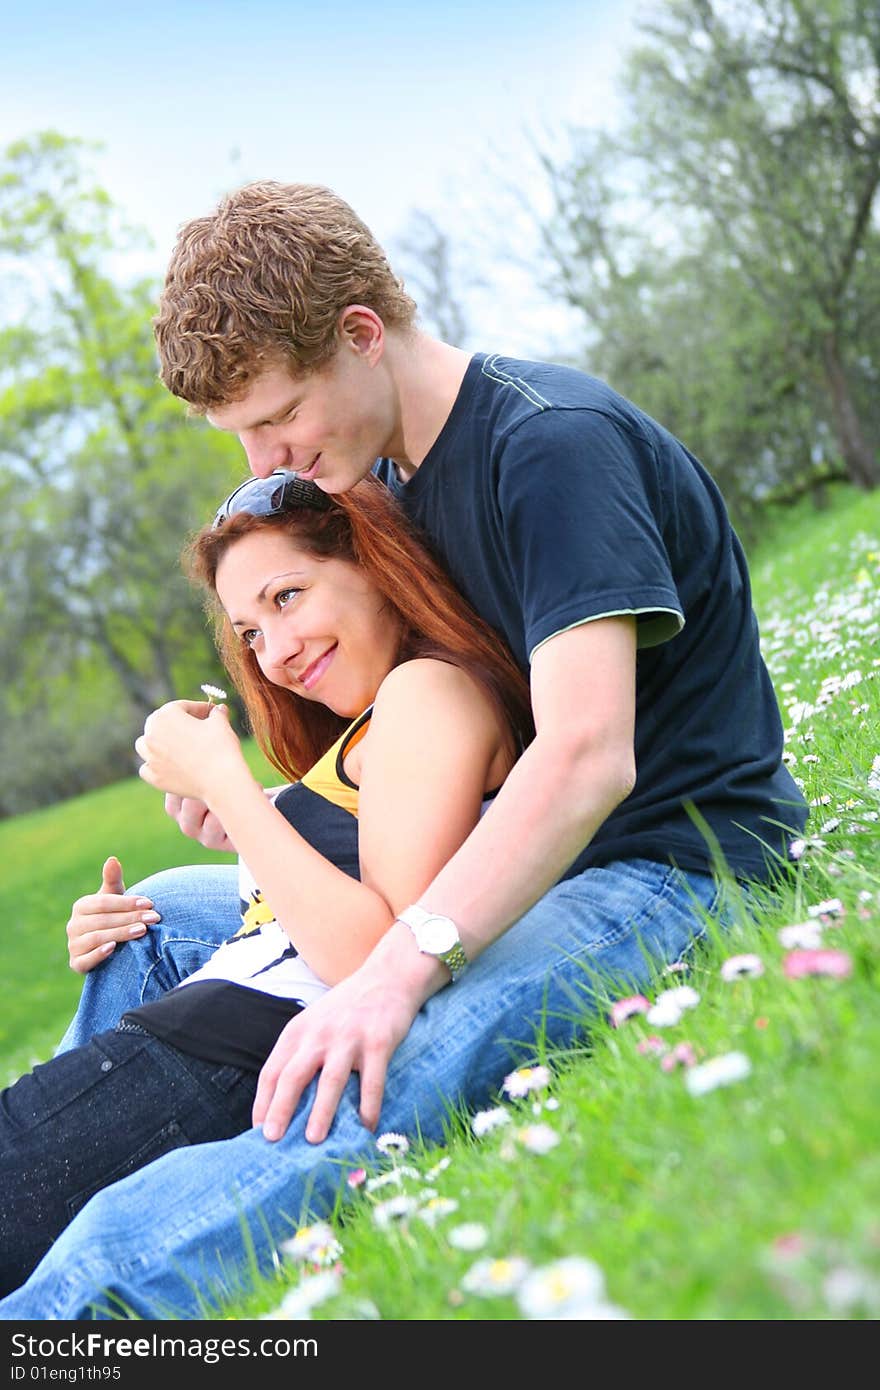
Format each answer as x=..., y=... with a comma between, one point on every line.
x=395, y=712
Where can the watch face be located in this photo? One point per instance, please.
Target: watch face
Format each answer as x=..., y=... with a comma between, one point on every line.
x=437, y=935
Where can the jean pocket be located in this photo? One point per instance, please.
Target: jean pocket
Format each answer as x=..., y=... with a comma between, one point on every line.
x=52, y=1087
x=170, y=1136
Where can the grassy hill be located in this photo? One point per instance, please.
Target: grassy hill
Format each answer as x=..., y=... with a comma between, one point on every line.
x=624, y=1183
x=51, y=857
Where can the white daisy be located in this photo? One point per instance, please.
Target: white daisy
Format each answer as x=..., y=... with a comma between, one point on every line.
x=392, y=1143
x=490, y=1277
x=395, y=1177
x=831, y=907
x=538, y=1139
x=565, y=1289
x=309, y=1292
x=670, y=1004
x=718, y=1071
x=317, y=1244
x=437, y=1207
x=213, y=692
x=830, y=825
x=520, y=1083
x=470, y=1235
x=439, y=1167
x=395, y=1209
x=684, y=997
x=847, y=1289
x=735, y=967
x=805, y=935
x=486, y=1120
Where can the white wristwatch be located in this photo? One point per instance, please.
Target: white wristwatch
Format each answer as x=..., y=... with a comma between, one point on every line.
x=436, y=936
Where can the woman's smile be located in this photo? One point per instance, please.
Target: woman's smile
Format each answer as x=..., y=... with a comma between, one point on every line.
x=312, y=674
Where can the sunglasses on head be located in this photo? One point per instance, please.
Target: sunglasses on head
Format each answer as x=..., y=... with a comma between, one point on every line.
x=282, y=491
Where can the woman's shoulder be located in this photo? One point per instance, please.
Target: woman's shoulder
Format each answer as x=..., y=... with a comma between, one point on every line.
x=431, y=679
x=430, y=709
x=428, y=692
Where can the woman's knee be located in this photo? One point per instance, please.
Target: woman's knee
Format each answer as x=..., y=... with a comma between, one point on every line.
x=185, y=887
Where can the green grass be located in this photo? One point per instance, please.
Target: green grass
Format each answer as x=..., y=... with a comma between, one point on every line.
x=50, y=858
x=756, y=1200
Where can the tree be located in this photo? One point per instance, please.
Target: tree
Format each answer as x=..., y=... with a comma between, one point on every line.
x=101, y=473
x=426, y=252
x=720, y=248
x=764, y=116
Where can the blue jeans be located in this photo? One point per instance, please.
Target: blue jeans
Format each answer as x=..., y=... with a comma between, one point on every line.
x=185, y=1228
x=199, y=909
x=95, y=1114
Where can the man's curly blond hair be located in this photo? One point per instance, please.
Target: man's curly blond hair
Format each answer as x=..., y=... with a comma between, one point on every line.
x=261, y=282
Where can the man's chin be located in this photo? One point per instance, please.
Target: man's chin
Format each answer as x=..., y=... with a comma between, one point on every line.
x=334, y=484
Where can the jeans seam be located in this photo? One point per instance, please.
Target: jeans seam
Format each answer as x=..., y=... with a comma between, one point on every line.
x=126, y=1026
x=162, y=959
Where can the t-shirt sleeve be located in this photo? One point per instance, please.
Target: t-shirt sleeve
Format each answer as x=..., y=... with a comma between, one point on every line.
x=580, y=504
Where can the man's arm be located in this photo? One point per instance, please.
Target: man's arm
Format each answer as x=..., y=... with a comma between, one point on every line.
x=578, y=768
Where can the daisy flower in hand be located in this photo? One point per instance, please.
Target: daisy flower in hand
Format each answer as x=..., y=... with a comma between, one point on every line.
x=214, y=693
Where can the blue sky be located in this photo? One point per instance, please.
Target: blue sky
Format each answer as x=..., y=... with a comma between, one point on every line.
x=394, y=105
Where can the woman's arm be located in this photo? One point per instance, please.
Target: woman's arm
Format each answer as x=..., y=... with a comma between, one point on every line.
x=432, y=741
x=435, y=743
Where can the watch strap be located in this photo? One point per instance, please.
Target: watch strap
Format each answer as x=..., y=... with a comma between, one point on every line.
x=455, y=960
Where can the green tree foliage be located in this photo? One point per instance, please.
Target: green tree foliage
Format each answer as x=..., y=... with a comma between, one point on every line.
x=722, y=249
x=101, y=478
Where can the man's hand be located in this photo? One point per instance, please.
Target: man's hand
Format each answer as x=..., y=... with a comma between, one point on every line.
x=355, y=1027
x=198, y=823
x=100, y=920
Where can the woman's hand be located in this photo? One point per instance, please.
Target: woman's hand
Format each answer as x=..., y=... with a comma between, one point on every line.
x=100, y=920
x=186, y=746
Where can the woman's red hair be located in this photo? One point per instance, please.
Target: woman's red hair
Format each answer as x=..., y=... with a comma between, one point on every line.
x=366, y=526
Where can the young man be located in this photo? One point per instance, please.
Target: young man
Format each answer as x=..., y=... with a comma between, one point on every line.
x=601, y=550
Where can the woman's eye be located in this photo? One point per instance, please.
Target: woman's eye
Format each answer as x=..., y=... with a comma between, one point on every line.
x=285, y=596
x=250, y=635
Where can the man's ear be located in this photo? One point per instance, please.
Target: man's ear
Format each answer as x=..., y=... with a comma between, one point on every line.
x=362, y=330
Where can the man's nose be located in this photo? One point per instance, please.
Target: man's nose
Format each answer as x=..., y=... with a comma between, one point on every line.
x=263, y=455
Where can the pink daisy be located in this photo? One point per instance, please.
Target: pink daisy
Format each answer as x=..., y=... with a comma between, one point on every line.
x=682, y=1055
x=622, y=1009
x=838, y=964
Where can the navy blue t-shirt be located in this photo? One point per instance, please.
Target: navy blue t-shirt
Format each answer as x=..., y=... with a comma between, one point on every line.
x=552, y=501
